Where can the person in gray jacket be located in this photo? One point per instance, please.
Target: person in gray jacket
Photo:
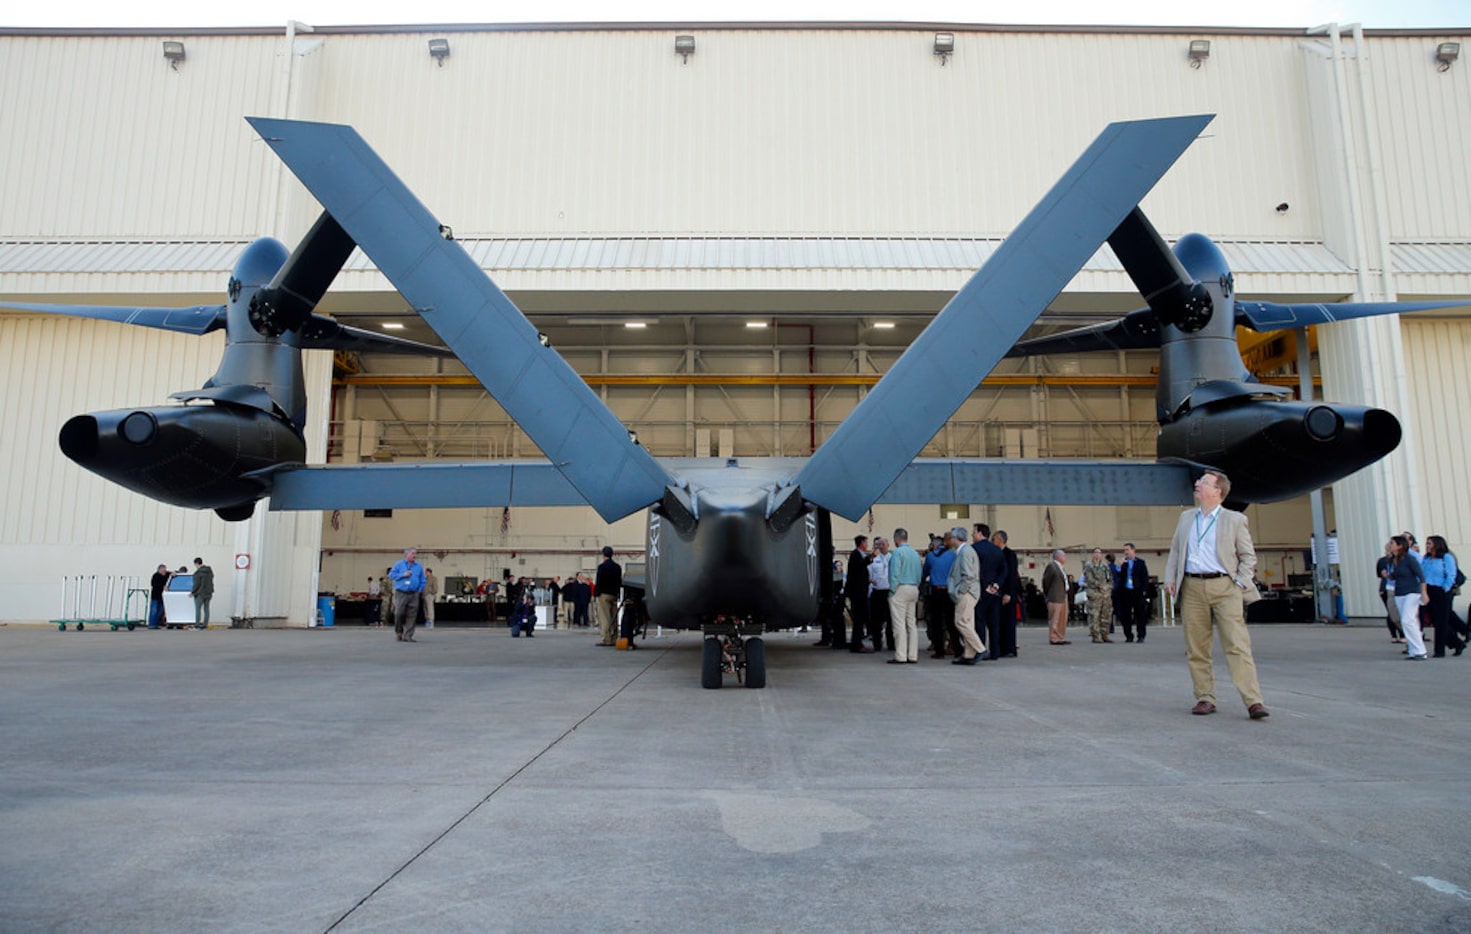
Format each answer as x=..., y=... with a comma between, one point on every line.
x=203, y=589
x=964, y=585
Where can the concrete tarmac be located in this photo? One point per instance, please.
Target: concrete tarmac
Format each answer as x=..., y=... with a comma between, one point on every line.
x=319, y=780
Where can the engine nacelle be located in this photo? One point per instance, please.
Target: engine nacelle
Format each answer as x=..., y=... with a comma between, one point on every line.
x=195, y=456
x=1275, y=450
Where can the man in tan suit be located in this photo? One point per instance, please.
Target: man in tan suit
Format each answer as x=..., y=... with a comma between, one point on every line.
x=1211, y=567
x=1054, y=591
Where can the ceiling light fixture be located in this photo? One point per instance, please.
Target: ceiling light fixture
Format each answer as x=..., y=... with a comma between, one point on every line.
x=755, y=325
x=392, y=326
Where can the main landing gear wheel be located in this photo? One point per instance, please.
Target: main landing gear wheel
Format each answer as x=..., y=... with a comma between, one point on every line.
x=755, y=662
x=710, y=663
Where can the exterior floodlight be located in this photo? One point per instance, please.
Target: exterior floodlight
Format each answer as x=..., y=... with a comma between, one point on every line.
x=1446, y=53
x=684, y=47
x=173, y=50
x=439, y=50
x=944, y=45
x=1200, y=50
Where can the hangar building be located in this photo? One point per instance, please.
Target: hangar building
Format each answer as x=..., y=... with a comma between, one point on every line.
x=731, y=236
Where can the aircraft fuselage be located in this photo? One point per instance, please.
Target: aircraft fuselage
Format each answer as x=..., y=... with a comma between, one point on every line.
x=733, y=562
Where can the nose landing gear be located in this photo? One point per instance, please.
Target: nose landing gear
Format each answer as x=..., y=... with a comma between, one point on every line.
x=733, y=646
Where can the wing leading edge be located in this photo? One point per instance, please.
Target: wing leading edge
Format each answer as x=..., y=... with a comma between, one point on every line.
x=489, y=334
x=433, y=485
x=966, y=340
x=1051, y=482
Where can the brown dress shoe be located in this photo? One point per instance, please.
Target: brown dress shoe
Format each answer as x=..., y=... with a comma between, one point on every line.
x=1204, y=707
x=1258, y=712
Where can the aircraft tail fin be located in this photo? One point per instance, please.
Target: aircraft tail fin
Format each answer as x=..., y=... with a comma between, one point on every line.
x=980, y=324
x=490, y=335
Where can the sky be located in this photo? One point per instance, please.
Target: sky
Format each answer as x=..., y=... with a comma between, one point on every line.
x=1374, y=14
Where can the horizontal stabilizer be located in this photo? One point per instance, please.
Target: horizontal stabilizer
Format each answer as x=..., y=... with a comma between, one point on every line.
x=1049, y=482
x=1271, y=316
x=432, y=485
x=201, y=319
x=943, y=366
x=323, y=333
x=490, y=335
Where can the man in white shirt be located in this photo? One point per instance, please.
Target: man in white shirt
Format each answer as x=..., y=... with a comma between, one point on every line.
x=881, y=626
x=1211, y=566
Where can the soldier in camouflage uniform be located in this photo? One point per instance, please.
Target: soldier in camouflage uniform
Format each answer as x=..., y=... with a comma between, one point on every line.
x=1098, y=578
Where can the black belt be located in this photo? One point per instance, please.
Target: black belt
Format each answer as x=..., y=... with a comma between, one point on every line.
x=1208, y=576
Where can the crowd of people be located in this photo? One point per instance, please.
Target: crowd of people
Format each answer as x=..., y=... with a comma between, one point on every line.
x=967, y=591
x=1417, y=588
x=971, y=591
x=887, y=588
x=408, y=599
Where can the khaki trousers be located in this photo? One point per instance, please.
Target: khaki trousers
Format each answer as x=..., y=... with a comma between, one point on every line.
x=965, y=624
x=1215, y=604
x=904, y=616
x=1056, y=622
x=607, y=618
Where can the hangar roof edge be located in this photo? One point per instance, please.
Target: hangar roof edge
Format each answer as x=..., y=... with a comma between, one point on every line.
x=724, y=26
x=689, y=252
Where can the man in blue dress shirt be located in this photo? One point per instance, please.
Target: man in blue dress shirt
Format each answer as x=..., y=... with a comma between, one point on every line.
x=407, y=577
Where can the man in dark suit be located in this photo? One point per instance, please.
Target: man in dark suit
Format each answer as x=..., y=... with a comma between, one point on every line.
x=1130, y=594
x=1011, y=597
x=855, y=588
x=993, y=574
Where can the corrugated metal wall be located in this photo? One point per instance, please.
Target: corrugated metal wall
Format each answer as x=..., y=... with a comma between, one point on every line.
x=1438, y=353
x=808, y=131
x=57, y=519
x=100, y=138
x=763, y=131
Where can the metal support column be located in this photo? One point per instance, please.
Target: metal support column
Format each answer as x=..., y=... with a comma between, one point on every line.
x=1324, y=608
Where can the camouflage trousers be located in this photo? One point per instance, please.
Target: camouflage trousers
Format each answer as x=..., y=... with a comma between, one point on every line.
x=1100, y=614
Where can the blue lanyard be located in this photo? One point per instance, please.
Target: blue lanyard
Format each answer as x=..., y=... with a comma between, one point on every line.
x=1199, y=535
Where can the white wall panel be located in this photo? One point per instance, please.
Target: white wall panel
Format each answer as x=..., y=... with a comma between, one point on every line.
x=55, y=517
x=99, y=137
x=1440, y=416
x=810, y=131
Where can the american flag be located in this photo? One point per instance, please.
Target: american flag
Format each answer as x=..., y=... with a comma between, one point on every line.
x=505, y=520
x=1051, y=532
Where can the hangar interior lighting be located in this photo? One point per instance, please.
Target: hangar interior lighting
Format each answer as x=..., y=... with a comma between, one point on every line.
x=439, y=50
x=944, y=45
x=755, y=325
x=392, y=326
x=684, y=47
x=884, y=325
x=636, y=325
x=173, y=50
x=1446, y=53
x=1200, y=50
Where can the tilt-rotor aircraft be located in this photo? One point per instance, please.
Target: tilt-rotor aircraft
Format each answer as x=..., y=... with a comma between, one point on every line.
x=740, y=547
